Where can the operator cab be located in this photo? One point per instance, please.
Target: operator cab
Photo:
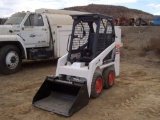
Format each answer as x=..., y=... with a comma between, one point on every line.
x=91, y=35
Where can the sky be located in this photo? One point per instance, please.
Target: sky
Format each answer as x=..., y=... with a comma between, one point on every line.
x=8, y=7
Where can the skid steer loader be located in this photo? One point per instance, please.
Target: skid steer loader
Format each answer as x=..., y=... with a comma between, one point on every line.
x=91, y=64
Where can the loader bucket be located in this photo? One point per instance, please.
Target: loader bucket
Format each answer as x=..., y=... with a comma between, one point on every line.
x=61, y=98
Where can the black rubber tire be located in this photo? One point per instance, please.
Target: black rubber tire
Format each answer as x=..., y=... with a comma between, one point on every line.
x=3, y=54
x=94, y=94
x=106, y=74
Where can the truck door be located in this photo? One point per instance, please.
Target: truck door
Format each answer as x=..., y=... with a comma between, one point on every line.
x=35, y=31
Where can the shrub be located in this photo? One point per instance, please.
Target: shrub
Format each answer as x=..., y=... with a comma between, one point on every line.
x=155, y=44
x=146, y=48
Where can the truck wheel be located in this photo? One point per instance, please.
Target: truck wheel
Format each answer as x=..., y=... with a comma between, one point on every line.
x=97, y=85
x=10, y=59
x=109, y=77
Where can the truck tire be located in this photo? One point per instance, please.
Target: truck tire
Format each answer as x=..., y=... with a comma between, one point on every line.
x=10, y=59
x=109, y=77
x=97, y=85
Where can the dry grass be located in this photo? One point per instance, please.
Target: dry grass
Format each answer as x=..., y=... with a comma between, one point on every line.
x=155, y=44
x=142, y=54
x=147, y=48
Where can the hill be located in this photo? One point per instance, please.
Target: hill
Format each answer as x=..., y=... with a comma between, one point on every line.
x=114, y=11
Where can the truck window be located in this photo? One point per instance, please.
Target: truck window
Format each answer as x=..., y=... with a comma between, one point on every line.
x=40, y=21
x=15, y=19
x=31, y=18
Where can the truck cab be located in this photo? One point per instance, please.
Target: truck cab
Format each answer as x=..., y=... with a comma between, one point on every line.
x=32, y=28
x=23, y=36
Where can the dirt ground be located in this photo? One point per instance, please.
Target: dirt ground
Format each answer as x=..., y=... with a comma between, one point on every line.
x=135, y=95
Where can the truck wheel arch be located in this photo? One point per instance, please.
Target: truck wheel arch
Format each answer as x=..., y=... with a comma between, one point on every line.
x=18, y=44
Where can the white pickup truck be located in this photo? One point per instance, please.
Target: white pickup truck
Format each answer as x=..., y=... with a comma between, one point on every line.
x=42, y=34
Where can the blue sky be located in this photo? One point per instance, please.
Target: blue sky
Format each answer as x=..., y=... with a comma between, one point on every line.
x=150, y=6
x=8, y=7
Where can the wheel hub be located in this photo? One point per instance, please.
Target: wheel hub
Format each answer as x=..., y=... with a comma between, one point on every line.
x=111, y=78
x=12, y=60
x=99, y=85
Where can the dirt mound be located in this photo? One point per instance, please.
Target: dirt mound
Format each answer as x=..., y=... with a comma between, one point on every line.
x=114, y=11
x=140, y=45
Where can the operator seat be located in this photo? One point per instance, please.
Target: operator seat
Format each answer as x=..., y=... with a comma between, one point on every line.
x=88, y=52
